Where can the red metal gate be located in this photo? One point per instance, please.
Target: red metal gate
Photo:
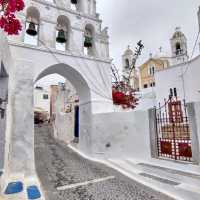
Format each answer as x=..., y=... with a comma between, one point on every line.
x=173, y=132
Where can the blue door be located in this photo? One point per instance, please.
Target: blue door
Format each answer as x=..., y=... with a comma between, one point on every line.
x=76, y=129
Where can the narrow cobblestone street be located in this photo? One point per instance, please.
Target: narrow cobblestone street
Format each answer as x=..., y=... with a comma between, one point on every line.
x=57, y=165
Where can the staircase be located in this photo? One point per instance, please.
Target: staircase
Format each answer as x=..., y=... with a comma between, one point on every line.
x=174, y=182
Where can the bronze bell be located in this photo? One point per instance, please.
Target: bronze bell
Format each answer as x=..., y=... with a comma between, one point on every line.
x=61, y=36
x=31, y=29
x=88, y=42
x=74, y=1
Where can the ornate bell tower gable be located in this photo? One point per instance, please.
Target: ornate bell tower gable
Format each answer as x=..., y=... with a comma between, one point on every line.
x=62, y=6
x=49, y=13
x=127, y=58
x=179, y=47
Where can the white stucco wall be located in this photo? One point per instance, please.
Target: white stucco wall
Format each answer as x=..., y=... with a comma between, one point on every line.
x=171, y=78
x=6, y=59
x=147, y=99
x=64, y=116
x=197, y=112
x=126, y=132
x=64, y=127
x=3, y=95
x=39, y=101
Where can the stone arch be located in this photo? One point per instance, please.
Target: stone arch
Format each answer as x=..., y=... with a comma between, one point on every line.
x=32, y=20
x=77, y=80
x=83, y=90
x=63, y=23
x=32, y=13
x=91, y=28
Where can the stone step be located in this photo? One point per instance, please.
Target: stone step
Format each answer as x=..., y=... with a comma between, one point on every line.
x=157, y=181
x=136, y=170
x=166, y=173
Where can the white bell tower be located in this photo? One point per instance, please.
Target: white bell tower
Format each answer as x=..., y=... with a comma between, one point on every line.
x=179, y=47
x=127, y=63
x=127, y=59
x=62, y=37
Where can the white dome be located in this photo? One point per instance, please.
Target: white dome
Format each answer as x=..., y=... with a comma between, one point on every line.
x=128, y=51
x=178, y=33
x=161, y=55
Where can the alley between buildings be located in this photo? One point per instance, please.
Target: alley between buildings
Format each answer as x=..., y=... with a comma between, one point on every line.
x=67, y=176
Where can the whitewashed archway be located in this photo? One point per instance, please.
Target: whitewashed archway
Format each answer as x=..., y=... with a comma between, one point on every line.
x=91, y=79
x=84, y=93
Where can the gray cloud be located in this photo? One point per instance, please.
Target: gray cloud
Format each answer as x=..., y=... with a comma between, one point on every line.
x=153, y=21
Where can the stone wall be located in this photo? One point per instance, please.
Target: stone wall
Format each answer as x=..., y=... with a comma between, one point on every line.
x=184, y=77
x=121, y=134
x=194, y=119
x=3, y=95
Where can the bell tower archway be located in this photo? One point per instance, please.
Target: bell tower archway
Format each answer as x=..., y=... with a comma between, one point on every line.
x=89, y=74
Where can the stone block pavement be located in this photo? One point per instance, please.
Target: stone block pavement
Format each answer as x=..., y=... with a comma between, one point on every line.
x=57, y=165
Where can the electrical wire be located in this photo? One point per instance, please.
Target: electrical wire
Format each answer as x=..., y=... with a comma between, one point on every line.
x=187, y=67
x=57, y=59
x=193, y=50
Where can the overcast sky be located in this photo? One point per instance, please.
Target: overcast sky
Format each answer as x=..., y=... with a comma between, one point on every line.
x=152, y=21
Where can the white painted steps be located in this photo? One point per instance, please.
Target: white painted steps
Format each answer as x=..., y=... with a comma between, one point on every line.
x=170, y=174
x=178, y=186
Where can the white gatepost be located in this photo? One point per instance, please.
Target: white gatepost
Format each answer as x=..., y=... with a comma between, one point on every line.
x=20, y=161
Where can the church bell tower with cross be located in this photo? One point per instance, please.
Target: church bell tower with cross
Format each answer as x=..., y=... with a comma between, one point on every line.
x=127, y=65
x=179, y=47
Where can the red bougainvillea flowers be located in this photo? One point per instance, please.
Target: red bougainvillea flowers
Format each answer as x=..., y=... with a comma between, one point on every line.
x=127, y=99
x=8, y=21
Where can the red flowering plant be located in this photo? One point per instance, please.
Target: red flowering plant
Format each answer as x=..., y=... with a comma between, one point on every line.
x=122, y=92
x=126, y=98
x=8, y=20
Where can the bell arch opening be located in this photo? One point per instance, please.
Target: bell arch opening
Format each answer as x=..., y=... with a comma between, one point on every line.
x=178, y=48
x=89, y=40
x=62, y=33
x=74, y=105
x=32, y=24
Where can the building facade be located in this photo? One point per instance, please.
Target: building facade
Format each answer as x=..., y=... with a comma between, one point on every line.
x=148, y=70
x=64, y=116
x=42, y=100
x=54, y=91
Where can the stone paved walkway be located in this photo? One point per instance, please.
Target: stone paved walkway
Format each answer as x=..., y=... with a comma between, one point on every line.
x=57, y=165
